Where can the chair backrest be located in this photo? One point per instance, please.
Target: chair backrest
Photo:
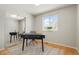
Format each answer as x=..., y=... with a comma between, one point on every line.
x=33, y=32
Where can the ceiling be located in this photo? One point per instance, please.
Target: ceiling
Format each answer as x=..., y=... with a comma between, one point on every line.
x=30, y=8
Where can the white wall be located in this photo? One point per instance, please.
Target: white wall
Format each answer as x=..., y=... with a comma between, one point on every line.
x=7, y=25
x=21, y=25
x=77, y=27
x=66, y=33
x=29, y=24
x=2, y=24
x=11, y=26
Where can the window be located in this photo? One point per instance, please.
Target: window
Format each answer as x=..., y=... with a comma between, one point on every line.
x=50, y=23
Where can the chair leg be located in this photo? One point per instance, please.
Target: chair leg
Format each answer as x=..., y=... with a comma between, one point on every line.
x=14, y=37
x=26, y=42
x=32, y=41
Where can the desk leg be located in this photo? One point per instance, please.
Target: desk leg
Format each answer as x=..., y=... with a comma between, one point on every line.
x=10, y=39
x=42, y=46
x=26, y=42
x=23, y=44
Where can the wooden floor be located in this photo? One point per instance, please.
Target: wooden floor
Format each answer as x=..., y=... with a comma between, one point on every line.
x=4, y=52
x=65, y=50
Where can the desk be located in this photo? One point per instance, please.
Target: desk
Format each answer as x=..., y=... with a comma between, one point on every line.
x=12, y=34
x=32, y=36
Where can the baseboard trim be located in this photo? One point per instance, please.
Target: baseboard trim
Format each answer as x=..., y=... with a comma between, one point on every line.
x=77, y=50
x=64, y=45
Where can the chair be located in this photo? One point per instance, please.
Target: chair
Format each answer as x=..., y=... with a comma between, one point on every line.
x=33, y=32
x=19, y=35
x=33, y=40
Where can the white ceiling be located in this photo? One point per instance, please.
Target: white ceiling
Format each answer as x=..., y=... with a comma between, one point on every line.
x=30, y=8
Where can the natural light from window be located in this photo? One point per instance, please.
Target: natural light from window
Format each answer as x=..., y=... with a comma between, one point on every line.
x=50, y=23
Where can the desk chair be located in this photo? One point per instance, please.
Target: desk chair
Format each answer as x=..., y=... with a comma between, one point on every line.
x=33, y=40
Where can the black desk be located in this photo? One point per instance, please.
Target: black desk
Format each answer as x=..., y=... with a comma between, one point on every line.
x=12, y=34
x=32, y=36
